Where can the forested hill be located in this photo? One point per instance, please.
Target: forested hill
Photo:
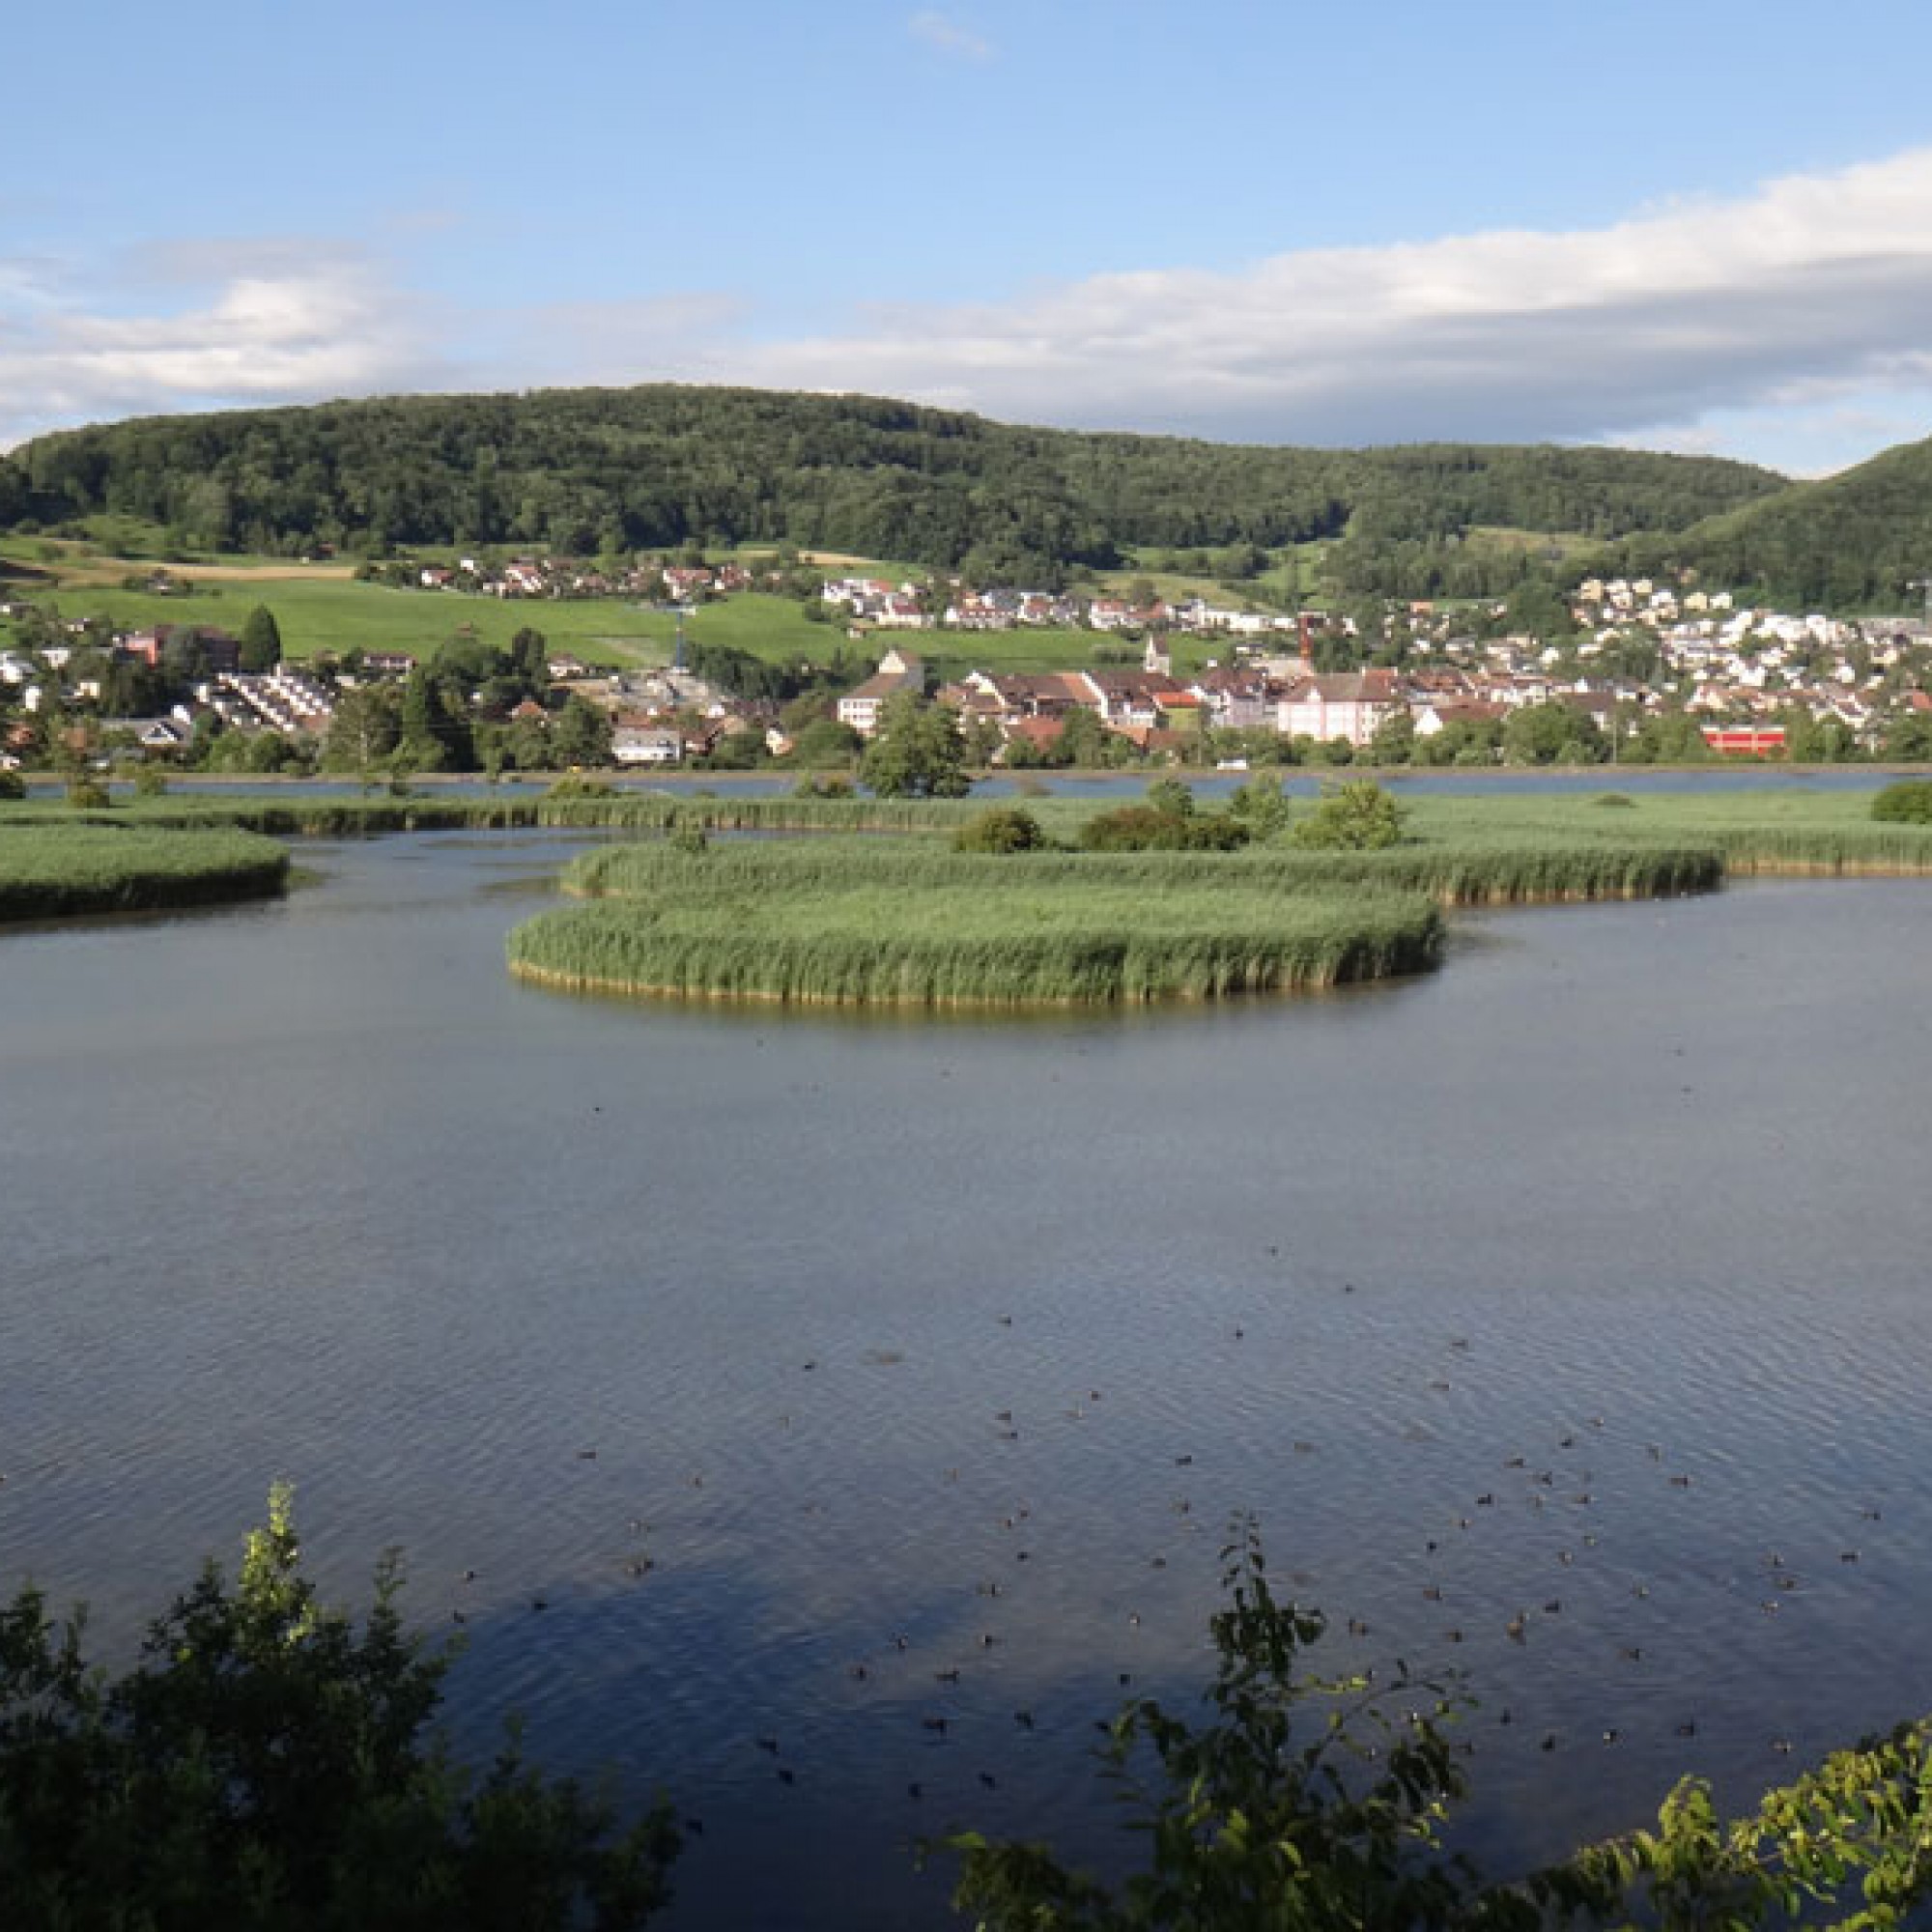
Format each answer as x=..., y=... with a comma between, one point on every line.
x=579, y=470
x=1858, y=540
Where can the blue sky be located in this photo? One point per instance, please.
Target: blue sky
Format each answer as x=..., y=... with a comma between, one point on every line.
x=1699, y=226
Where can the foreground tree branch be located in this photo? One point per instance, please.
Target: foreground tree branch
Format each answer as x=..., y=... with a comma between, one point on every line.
x=267, y=1765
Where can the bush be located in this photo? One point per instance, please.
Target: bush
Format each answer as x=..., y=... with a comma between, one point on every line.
x=265, y=1765
x=1261, y=805
x=1908, y=802
x=824, y=784
x=88, y=795
x=1358, y=816
x=12, y=786
x=1171, y=797
x=1616, y=801
x=1301, y=1799
x=1000, y=827
x=1141, y=828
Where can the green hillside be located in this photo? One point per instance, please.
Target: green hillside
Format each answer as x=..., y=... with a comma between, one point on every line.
x=580, y=472
x=1858, y=540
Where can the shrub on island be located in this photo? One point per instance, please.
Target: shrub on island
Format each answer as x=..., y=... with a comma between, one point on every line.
x=1145, y=828
x=1001, y=828
x=1358, y=816
x=1908, y=802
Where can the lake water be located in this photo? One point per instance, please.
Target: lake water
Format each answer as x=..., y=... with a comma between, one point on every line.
x=881, y=1338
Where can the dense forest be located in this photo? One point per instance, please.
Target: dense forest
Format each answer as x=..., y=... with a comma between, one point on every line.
x=1860, y=540
x=584, y=471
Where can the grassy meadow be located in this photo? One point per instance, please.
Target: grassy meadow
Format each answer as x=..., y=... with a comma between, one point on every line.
x=321, y=606
x=317, y=613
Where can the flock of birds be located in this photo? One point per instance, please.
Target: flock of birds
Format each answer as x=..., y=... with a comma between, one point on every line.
x=964, y=1688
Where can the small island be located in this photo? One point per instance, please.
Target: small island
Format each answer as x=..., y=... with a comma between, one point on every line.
x=68, y=868
x=1037, y=904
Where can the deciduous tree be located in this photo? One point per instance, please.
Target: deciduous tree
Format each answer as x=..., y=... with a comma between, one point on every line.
x=917, y=751
x=261, y=642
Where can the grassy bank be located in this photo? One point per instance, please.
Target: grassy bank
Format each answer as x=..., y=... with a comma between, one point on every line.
x=907, y=919
x=63, y=870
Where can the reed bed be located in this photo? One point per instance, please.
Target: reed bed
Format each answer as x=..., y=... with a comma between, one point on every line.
x=1800, y=833
x=1508, y=849
x=1834, y=851
x=912, y=921
x=64, y=870
x=1004, y=941
x=1466, y=871
x=295, y=813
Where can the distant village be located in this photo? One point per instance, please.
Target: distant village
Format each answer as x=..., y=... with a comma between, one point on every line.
x=1649, y=668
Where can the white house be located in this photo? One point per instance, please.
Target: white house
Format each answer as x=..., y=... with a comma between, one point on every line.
x=639, y=744
x=1338, y=704
x=861, y=706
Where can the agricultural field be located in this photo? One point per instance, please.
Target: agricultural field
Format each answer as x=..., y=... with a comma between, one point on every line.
x=952, y=654
x=317, y=613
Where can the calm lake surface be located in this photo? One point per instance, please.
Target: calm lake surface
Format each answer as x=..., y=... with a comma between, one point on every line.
x=879, y=1338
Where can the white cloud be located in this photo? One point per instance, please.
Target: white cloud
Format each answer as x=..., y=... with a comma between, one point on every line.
x=1784, y=325
x=204, y=325
x=947, y=36
x=1812, y=286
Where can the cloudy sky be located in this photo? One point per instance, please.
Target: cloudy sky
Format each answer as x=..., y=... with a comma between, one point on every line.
x=1701, y=225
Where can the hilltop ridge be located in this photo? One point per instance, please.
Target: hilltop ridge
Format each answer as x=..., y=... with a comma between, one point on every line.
x=576, y=471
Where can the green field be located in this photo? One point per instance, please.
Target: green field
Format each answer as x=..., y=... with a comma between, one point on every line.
x=1609, y=811
x=317, y=614
x=321, y=607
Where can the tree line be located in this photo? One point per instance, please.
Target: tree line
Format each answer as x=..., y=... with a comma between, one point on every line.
x=585, y=472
